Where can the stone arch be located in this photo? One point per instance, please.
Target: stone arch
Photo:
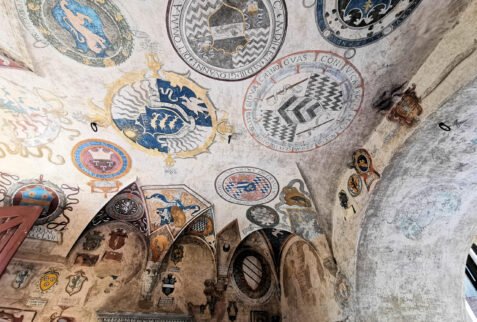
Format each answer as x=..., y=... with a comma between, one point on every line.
x=420, y=221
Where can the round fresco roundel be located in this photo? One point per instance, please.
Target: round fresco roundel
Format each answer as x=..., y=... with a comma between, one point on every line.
x=125, y=206
x=247, y=186
x=357, y=23
x=101, y=159
x=227, y=40
x=170, y=115
x=303, y=101
x=94, y=33
x=38, y=193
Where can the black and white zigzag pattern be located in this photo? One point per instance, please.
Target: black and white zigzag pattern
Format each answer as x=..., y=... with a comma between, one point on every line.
x=298, y=109
x=325, y=91
x=273, y=126
x=196, y=18
x=258, y=41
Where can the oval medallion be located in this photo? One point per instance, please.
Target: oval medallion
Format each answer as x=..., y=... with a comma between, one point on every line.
x=227, y=40
x=303, y=101
x=362, y=161
x=125, y=206
x=354, y=185
x=247, y=186
x=263, y=216
x=35, y=193
x=94, y=33
x=357, y=23
x=101, y=159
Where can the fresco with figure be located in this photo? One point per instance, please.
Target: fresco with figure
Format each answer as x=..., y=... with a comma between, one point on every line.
x=227, y=40
x=303, y=101
x=357, y=23
x=173, y=206
x=93, y=33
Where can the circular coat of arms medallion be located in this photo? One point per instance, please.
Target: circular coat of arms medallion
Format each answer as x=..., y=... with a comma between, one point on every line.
x=246, y=186
x=227, y=40
x=34, y=193
x=101, y=159
x=303, y=101
x=263, y=216
x=125, y=206
x=357, y=23
x=94, y=33
x=169, y=115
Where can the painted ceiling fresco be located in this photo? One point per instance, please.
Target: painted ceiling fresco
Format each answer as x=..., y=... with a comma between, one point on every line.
x=200, y=123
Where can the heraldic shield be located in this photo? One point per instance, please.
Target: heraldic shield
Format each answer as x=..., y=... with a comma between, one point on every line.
x=75, y=282
x=168, y=284
x=118, y=239
x=227, y=26
x=48, y=280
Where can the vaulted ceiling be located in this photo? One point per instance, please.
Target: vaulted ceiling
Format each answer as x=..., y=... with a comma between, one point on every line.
x=219, y=105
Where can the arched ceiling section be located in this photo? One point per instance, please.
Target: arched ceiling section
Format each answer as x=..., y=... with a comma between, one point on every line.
x=420, y=221
x=142, y=59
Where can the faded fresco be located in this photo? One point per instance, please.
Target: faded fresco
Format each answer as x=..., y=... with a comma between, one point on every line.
x=93, y=33
x=32, y=118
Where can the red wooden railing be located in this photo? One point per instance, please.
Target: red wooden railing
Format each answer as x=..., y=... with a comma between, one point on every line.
x=15, y=223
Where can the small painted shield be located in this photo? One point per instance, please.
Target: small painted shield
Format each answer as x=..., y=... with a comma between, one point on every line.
x=118, y=239
x=21, y=278
x=48, y=280
x=93, y=240
x=168, y=285
x=75, y=282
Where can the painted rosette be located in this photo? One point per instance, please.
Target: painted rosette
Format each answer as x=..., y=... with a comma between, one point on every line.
x=101, y=159
x=44, y=194
x=303, y=101
x=125, y=206
x=357, y=23
x=247, y=186
x=227, y=40
x=93, y=33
